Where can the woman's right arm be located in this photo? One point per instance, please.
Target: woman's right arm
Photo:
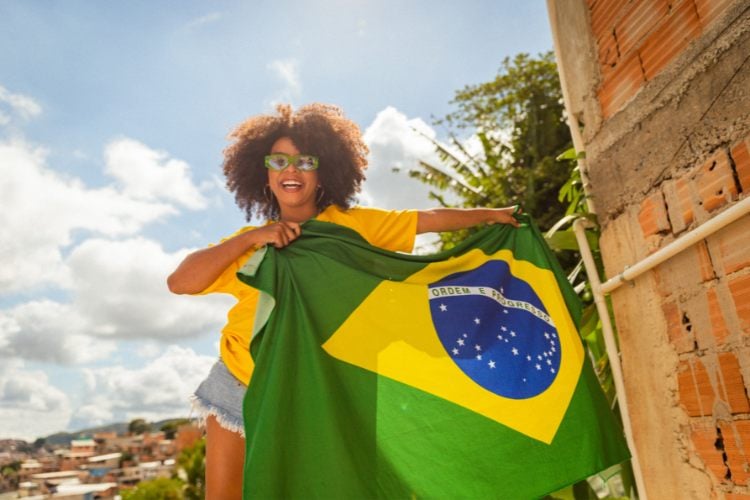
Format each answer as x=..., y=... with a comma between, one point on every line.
x=201, y=268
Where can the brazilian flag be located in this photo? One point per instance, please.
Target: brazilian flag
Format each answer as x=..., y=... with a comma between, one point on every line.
x=384, y=375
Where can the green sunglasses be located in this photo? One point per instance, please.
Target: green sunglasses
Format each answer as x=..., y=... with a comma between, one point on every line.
x=280, y=161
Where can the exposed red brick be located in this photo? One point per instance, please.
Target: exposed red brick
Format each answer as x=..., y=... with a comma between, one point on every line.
x=695, y=390
x=710, y=10
x=603, y=14
x=608, y=53
x=736, y=496
x=670, y=38
x=732, y=244
x=704, y=440
x=637, y=21
x=740, y=289
x=715, y=182
x=678, y=335
x=697, y=394
x=734, y=386
x=734, y=440
x=741, y=157
x=653, y=215
x=735, y=435
x=718, y=325
x=621, y=84
x=685, y=201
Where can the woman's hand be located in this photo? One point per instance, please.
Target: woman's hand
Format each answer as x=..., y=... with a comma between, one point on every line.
x=503, y=215
x=278, y=234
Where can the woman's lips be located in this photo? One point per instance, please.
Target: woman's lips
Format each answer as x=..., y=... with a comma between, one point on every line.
x=291, y=185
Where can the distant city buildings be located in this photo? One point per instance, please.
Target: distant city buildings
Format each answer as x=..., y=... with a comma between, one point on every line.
x=99, y=467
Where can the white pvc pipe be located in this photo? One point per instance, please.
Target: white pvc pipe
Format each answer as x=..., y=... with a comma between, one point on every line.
x=612, y=352
x=709, y=227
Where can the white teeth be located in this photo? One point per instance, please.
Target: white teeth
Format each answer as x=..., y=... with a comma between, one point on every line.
x=291, y=184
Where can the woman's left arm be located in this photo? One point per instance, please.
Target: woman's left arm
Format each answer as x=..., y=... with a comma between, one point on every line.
x=452, y=219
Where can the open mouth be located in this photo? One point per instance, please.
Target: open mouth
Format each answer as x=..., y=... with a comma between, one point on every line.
x=291, y=185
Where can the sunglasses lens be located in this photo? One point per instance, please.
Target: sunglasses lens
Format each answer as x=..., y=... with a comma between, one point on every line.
x=306, y=162
x=277, y=162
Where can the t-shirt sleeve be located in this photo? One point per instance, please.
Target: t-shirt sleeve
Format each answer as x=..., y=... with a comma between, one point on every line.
x=227, y=281
x=393, y=230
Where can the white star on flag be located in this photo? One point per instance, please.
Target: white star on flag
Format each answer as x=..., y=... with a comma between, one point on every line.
x=492, y=364
x=443, y=307
x=476, y=320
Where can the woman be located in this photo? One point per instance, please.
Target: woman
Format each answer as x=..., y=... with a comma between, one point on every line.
x=289, y=167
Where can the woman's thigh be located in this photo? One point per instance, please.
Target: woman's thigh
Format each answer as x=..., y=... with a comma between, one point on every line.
x=218, y=405
x=225, y=456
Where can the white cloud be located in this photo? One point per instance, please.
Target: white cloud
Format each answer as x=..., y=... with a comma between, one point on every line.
x=146, y=174
x=287, y=70
x=29, y=406
x=20, y=104
x=120, y=288
x=43, y=330
x=394, y=144
x=148, y=350
x=160, y=389
x=42, y=209
x=118, y=291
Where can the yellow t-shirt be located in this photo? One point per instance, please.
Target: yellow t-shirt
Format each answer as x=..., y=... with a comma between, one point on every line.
x=391, y=230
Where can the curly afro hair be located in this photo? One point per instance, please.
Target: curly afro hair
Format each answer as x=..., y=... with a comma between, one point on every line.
x=316, y=129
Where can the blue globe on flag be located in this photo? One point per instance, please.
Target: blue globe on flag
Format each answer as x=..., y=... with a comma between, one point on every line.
x=496, y=329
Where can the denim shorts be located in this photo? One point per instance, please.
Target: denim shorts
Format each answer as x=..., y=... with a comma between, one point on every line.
x=220, y=395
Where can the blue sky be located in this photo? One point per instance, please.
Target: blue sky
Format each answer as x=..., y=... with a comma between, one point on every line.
x=113, y=117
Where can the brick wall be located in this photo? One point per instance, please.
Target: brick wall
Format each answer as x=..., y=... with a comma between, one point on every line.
x=637, y=39
x=666, y=117
x=704, y=293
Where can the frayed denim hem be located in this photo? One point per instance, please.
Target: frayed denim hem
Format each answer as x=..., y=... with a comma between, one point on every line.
x=201, y=409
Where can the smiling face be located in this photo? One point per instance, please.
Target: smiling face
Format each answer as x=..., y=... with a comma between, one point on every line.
x=294, y=189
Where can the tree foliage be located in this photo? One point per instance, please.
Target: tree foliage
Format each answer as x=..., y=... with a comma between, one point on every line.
x=518, y=121
x=156, y=489
x=192, y=460
x=170, y=428
x=138, y=426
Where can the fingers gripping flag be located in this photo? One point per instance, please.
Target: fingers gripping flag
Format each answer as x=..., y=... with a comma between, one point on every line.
x=458, y=375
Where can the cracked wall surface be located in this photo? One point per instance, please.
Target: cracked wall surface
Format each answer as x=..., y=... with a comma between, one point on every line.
x=662, y=91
